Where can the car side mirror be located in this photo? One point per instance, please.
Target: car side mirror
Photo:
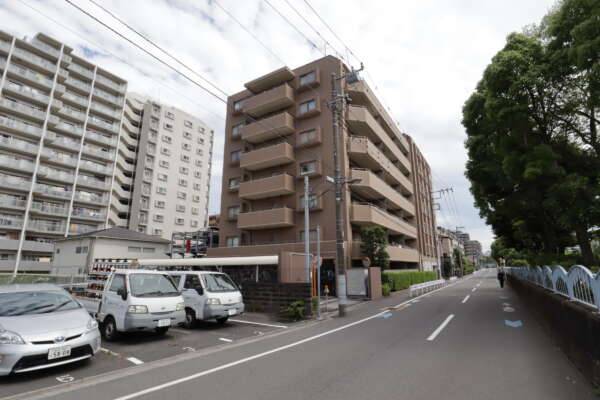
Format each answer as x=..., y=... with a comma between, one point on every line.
x=123, y=293
x=200, y=291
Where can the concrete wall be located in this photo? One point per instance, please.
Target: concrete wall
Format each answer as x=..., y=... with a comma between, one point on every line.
x=574, y=327
x=271, y=297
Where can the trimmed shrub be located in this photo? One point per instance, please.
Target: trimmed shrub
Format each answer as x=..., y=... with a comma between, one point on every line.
x=400, y=280
x=385, y=289
x=294, y=311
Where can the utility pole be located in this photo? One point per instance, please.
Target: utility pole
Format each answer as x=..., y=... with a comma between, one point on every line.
x=318, y=268
x=307, y=230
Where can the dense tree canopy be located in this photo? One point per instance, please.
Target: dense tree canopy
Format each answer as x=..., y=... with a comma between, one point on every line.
x=534, y=152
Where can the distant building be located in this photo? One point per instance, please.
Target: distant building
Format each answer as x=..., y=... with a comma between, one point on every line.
x=213, y=220
x=448, y=240
x=463, y=237
x=473, y=251
x=77, y=253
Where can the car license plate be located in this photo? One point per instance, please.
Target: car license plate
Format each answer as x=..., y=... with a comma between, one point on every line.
x=232, y=311
x=59, y=352
x=164, y=322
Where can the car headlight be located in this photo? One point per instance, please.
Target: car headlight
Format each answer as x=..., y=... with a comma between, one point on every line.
x=137, y=310
x=92, y=324
x=180, y=307
x=8, y=337
x=213, y=301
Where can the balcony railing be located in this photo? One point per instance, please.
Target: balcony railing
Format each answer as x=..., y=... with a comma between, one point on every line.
x=12, y=202
x=27, y=92
x=269, y=101
x=19, y=126
x=92, y=182
x=12, y=143
x=31, y=76
x=78, y=228
x=44, y=47
x=52, y=191
x=47, y=208
x=102, y=124
x=82, y=101
x=100, y=138
x=18, y=164
x=37, y=60
x=268, y=128
x=91, y=166
x=79, y=84
x=273, y=186
x=91, y=214
x=108, y=97
x=90, y=198
x=11, y=222
x=23, y=109
x=81, y=71
x=107, y=155
x=266, y=157
x=76, y=130
x=266, y=219
x=111, y=112
x=73, y=113
x=111, y=84
x=46, y=227
x=14, y=182
x=369, y=214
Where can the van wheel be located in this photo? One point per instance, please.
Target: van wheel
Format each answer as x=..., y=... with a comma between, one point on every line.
x=162, y=331
x=190, y=318
x=221, y=321
x=109, y=329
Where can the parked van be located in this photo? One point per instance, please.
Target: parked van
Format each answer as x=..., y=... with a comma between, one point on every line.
x=208, y=295
x=135, y=300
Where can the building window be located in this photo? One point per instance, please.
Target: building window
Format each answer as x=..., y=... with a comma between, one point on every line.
x=198, y=174
x=186, y=146
x=237, y=105
x=233, y=241
x=235, y=131
x=196, y=198
x=81, y=250
x=159, y=217
x=201, y=129
x=149, y=160
x=312, y=236
x=158, y=232
x=181, y=195
x=234, y=183
x=164, y=164
x=184, y=170
x=183, y=182
x=195, y=211
x=161, y=190
x=312, y=202
x=162, y=177
x=309, y=167
x=199, y=151
x=197, y=186
x=168, y=126
x=185, y=158
x=308, y=106
x=187, y=135
x=198, y=163
x=179, y=221
x=167, y=139
x=308, y=78
x=194, y=223
x=180, y=208
x=134, y=249
x=159, y=204
x=235, y=156
x=165, y=151
x=233, y=212
x=148, y=250
x=188, y=124
x=169, y=115
x=307, y=136
x=200, y=140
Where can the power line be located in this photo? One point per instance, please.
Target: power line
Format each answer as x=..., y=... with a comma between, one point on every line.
x=294, y=26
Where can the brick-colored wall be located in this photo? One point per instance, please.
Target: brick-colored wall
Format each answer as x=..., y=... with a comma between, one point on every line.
x=271, y=297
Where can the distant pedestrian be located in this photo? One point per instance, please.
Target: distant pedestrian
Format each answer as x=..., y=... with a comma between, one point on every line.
x=501, y=276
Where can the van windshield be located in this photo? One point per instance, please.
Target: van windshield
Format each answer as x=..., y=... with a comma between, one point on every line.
x=152, y=285
x=219, y=283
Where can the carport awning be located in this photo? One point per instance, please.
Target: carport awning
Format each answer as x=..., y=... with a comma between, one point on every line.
x=210, y=261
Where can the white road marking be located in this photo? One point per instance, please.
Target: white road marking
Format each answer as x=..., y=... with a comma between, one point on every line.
x=65, y=378
x=466, y=298
x=135, y=360
x=260, y=355
x=112, y=353
x=440, y=328
x=180, y=331
x=474, y=289
x=225, y=340
x=258, y=323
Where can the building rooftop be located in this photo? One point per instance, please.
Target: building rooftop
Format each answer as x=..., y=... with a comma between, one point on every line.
x=118, y=233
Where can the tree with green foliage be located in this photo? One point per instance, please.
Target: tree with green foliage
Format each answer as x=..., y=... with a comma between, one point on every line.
x=374, y=242
x=534, y=152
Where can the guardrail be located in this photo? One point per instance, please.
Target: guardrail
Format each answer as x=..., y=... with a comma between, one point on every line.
x=578, y=284
x=425, y=286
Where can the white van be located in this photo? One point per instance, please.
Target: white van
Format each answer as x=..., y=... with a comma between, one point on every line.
x=208, y=295
x=135, y=300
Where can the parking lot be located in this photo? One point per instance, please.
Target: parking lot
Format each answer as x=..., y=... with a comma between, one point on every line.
x=138, y=348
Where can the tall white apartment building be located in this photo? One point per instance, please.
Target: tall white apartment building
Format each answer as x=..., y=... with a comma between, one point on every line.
x=162, y=180
x=60, y=120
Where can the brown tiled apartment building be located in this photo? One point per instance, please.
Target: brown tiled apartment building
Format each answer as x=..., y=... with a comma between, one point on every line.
x=278, y=130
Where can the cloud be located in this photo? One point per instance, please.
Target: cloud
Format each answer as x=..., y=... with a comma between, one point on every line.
x=424, y=59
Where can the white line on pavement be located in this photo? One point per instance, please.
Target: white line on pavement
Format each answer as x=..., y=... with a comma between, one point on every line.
x=134, y=360
x=466, y=298
x=474, y=289
x=261, y=355
x=225, y=340
x=440, y=328
x=112, y=353
x=258, y=323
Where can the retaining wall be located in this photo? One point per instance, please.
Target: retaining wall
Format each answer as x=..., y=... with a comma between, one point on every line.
x=271, y=297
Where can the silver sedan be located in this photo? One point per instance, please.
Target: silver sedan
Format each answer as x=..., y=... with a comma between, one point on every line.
x=42, y=326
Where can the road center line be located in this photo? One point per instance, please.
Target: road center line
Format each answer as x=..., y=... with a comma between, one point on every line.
x=257, y=323
x=225, y=340
x=440, y=328
x=474, y=289
x=261, y=355
x=134, y=360
x=466, y=298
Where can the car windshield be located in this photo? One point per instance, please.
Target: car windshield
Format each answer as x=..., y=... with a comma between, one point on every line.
x=218, y=283
x=152, y=285
x=35, y=302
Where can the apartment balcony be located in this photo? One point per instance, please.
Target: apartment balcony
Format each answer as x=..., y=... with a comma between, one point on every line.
x=98, y=123
x=92, y=183
x=93, y=167
x=108, y=98
x=100, y=139
x=267, y=157
x=370, y=215
x=373, y=187
x=278, y=125
x=74, y=99
x=46, y=227
x=18, y=146
x=16, y=164
x=28, y=245
x=98, y=153
x=55, y=175
x=42, y=267
x=106, y=111
x=31, y=77
x=52, y=191
x=362, y=123
x=23, y=110
x=273, y=186
x=10, y=223
x=70, y=129
x=12, y=203
x=81, y=71
x=15, y=183
x=266, y=219
x=403, y=254
x=78, y=85
x=269, y=80
x=25, y=92
x=13, y=125
x=365, y=154
x=269, y=101
x=34, y=61
x=80, y=228
x=4, y=47
x=110, y=84
x=69, y=113
x=89, y=215
x=46, y=49
x=38, y=207
x=89, y=198
x=61, y=142
x=361, y=94
x=51, y=157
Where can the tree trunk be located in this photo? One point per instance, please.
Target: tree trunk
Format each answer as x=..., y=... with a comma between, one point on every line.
x=583, y=239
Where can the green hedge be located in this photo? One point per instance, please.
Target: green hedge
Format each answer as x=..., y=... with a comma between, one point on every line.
x=400, y=280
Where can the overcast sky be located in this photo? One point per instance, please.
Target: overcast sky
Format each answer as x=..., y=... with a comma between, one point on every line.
x=423, y=58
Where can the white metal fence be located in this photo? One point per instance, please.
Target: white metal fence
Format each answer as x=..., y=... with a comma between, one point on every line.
x=579, y=284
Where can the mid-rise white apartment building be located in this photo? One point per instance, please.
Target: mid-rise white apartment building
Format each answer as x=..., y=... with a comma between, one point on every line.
x=59, y=126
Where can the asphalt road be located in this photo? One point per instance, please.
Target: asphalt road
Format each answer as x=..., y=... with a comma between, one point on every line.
x=442, y=345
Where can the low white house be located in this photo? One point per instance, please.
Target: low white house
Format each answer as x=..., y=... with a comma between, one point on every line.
x=76, y=254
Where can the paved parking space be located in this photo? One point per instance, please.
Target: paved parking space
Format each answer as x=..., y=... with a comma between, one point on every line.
x=138, y=348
